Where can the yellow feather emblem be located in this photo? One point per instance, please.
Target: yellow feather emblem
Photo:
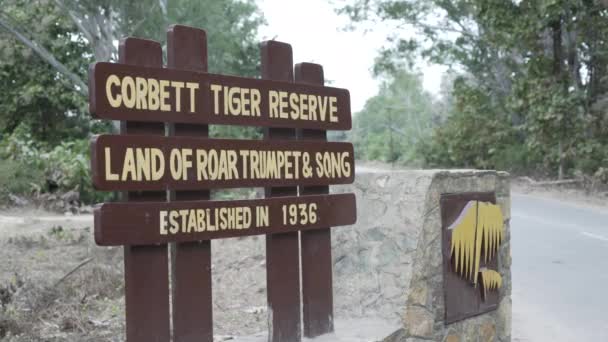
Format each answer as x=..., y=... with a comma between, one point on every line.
x=479, y=227
x=490, y=280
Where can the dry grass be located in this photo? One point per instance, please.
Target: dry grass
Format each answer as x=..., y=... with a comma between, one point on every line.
x=38, y=304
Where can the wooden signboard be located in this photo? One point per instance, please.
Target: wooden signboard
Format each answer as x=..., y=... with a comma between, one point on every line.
x=164, y=164
x=127, y=92
x=121, y=162
x=162, y=222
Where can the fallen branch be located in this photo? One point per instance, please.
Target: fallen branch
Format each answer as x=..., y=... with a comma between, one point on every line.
x=72, y=271
x=527, y=179
x=558, y=182
x=555, y=182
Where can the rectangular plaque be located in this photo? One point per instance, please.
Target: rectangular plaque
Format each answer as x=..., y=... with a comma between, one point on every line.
x=135, y=93
x=138, y=162
x=463, y=299
x=163, y=222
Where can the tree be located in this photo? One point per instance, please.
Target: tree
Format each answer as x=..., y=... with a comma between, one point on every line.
x=61, y=37
x=394, y=121
x=231, y=27
x=33, y=95
x=535, y=67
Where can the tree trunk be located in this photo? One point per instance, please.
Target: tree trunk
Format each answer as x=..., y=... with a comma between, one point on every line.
x=558, y=58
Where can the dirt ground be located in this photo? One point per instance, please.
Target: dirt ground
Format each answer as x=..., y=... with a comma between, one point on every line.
x=57, y=285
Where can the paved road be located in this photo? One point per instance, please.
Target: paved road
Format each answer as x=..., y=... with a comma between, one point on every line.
x=560, y=270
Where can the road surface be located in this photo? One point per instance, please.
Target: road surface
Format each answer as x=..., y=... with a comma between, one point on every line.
x=560, y=270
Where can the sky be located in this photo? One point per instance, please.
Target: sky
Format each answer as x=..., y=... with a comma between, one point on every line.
x=316, y=34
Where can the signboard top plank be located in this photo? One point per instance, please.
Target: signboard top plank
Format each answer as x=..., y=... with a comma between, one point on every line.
x=135, y=93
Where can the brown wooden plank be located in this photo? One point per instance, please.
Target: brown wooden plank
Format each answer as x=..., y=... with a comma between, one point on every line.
x=282, y=250
x=302, y=106
x=146, y=267
x=297, y=162
x=187, y=221
x=191, y=261
x=317, y=283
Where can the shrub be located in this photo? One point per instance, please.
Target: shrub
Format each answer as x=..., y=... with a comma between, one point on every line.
x=29, y=167
x=17, y=178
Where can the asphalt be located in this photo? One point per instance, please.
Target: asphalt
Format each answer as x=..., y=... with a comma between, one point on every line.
x=560, y=270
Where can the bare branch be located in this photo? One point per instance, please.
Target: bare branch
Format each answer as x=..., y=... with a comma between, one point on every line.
x=77, y=21
x=43, y=53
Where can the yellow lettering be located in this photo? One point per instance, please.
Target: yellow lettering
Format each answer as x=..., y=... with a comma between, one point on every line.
x=273, y=104
x=128, y=167
x=113, y=80
x=142, y=88
x=178, y=94
x=109, y=175
x=187, y=163
x=153, y=94
x=295, y=109
x=283, y=105
x=193, y=87
x=216, y=89
x=164, y=95
x=175, y=164
x=128, y=92
x=163, y=222
x=333, y=109
x=174, y=228
x=255, y=102
x=235, y=104
x=158, y=164
x=201, y=165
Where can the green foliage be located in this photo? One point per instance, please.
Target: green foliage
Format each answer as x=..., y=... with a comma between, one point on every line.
x=231, y=29
x=33, y=168
x=473, y=135
x=35, y=95
x=536, y=89
x=394, y=121
x=32, y=95
x=17, y=178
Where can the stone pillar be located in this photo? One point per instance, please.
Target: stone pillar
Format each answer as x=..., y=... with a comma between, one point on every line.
x=390, y=262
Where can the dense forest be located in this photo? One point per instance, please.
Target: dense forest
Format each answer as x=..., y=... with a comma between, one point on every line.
x=528, y=93
x=526, y=90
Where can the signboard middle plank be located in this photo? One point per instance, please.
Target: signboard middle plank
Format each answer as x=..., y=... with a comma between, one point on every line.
x=142, y=162
x=134, y=93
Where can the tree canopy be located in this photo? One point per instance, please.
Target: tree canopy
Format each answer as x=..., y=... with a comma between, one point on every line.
x=393, y=122
x=533, y=88
x=47, y=46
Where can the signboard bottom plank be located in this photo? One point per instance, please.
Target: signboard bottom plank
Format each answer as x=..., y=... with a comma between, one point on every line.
x=162, y=222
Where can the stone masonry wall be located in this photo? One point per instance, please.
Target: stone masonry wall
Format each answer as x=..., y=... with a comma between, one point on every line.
x=389, y=264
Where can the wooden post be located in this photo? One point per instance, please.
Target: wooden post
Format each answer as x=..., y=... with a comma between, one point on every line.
x=317, y=291
x=191, y=261
x=146, y=267
x=282, y=250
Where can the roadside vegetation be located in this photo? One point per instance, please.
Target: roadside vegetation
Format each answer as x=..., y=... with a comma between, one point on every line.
x=527, y=90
